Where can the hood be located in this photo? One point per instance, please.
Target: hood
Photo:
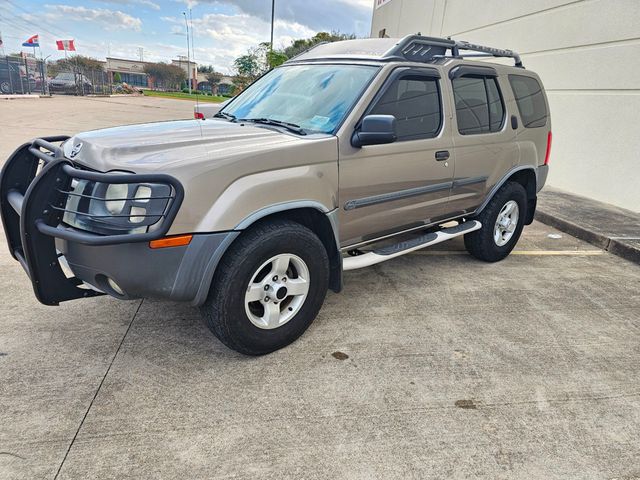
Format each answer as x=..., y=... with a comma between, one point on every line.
x=166, y=145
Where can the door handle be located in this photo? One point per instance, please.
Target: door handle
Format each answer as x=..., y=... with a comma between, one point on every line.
x=442, y=155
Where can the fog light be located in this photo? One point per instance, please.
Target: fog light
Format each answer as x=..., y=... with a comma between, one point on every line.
x=137, y=214
x=115, y=286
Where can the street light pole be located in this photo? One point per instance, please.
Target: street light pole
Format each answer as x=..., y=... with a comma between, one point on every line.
x=188, y=52
x=273, y=16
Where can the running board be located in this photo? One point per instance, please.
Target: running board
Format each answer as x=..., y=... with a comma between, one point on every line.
x=392, y=251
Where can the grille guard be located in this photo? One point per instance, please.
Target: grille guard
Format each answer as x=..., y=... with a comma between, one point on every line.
x=32, y=204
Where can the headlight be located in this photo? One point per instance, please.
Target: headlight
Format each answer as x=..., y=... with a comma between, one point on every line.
x=114, y=194
x=115, y=208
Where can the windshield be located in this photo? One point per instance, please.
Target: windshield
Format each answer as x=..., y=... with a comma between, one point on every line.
x=313, y=97
x=65, y=76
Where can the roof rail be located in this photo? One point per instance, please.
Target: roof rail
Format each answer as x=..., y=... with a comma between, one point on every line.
x=490, y=51
x=418, y=48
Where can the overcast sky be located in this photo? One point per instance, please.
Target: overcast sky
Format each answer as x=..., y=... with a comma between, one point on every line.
x=223, y=29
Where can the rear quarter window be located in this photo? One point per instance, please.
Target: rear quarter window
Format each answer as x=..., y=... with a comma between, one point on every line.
x=479, y=107
x=530, y=100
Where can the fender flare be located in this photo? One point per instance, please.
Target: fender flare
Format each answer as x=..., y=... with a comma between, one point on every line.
x=249, y=220
x=501, y=182
x=280, y=207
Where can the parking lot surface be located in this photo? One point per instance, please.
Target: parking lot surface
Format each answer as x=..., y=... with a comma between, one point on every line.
x=432, y=365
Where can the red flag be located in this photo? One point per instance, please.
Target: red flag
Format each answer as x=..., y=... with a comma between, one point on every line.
x=66, y=45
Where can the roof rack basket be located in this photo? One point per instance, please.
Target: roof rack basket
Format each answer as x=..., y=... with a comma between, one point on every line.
x=417, y=48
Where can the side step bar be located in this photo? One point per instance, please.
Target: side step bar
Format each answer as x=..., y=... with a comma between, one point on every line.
x=392, y=251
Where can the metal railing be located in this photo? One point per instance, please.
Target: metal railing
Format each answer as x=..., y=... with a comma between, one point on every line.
x=22, y=76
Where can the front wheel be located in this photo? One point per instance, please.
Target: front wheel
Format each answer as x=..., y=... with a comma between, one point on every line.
x=268, y=288
x=502, y=223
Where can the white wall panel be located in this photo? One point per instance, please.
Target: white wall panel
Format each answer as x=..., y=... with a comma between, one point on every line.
x=584, y=23
x=487, y=12
x=596, y=146
x=593, y=67
x=587, y=53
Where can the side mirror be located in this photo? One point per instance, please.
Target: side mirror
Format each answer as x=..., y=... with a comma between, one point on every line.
x=375, y=130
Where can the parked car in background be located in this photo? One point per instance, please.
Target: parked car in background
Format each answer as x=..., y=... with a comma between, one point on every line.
x=68, y=81
x=14, y=80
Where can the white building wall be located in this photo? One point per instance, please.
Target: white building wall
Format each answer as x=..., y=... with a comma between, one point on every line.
x=587, y=53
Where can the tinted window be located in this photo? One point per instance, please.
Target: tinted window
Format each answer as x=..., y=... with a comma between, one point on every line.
x=415, y=102
x=530, y=100
x=479, y=107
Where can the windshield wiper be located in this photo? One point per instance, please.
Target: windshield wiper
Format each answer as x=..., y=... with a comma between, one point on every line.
x=228, y=116
x=292, y=127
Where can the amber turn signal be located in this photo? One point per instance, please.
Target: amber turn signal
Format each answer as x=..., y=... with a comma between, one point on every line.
x=175, y=241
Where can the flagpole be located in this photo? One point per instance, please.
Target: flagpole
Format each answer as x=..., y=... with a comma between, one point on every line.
x=43, y=72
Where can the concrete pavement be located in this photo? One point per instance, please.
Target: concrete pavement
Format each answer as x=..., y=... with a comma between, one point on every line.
x=432, y=365
x=23, y=119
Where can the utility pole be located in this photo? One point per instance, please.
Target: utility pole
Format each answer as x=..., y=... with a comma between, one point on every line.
x=273, y=16
x=188, y=52
x=270, y=52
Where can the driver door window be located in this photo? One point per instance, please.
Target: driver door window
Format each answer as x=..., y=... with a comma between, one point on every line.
x=415, y=102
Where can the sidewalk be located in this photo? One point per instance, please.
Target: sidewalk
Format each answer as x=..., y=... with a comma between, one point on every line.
x=614, y=229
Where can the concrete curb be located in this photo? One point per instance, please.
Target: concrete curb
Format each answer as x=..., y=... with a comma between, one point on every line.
x=18, y=96
x=603, y=236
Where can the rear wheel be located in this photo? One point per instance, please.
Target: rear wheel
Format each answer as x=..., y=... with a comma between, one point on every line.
x=502, y=223
x=5, y=87
x=268, y=288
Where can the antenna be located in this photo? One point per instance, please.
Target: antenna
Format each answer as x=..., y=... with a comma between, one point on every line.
x=188, y=52
x=193, y=52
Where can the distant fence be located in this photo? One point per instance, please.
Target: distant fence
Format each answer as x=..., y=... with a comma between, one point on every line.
x=28, y=75
x=79, y=81
x=22, y=75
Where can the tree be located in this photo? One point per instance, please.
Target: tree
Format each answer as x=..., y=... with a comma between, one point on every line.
x=275, y=58
x=76, y=64
x=117, y=78
x=213, y=78
x=248, y=67
x=261, y=58
x=299, y=46
x=205, y=69
x=165, y=75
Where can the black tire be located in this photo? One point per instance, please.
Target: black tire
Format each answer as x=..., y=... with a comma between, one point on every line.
x=224, y=309
x=5, y=87
x=481, y=243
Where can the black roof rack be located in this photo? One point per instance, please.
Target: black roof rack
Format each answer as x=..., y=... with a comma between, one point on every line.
x=418, y=48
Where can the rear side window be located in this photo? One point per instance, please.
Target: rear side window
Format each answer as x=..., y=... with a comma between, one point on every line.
x=479, y=106
x=415, y=102
x=530, y=100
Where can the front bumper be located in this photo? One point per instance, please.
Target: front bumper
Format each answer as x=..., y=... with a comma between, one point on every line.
x=34, y=186
x=180, y=274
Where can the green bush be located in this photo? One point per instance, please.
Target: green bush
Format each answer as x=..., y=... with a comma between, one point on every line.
x=185, y=90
